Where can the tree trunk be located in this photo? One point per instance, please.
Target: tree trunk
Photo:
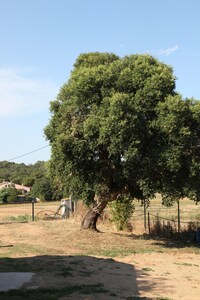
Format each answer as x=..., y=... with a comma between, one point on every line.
x=91, y=217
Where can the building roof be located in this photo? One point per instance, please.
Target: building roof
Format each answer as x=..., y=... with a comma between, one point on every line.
x=7, y=184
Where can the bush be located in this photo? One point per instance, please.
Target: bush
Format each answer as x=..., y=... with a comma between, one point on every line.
x=8, y=195
x=121, y=211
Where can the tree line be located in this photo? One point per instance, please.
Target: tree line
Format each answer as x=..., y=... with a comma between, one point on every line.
x=35, y=176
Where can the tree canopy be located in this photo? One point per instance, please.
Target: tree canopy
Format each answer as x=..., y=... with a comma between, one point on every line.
x=179, y=162
x=118, y=127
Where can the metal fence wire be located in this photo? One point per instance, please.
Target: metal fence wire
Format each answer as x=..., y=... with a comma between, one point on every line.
x=28, y=211
x=157, y=221
x=18, y=212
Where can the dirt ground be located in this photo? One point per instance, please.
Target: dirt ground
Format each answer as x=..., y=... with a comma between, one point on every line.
x=125, y=265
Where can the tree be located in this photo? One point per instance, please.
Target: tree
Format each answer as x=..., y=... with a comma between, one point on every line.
x=179, y=124
x=42, y=189
x=8, y=194
x=3, y=195
x=102, y=132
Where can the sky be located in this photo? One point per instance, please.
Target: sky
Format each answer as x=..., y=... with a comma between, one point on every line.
x=41, y=39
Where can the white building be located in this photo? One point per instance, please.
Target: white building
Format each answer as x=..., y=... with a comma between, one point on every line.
x=7, y=184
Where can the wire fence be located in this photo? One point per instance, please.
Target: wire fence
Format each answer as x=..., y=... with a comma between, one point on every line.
x=24, y=212
x=168, y=228
x=168, y=222
x=32, y=211
x=155, y=220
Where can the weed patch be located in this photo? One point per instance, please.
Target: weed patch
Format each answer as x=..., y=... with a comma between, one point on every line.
x=22, y=218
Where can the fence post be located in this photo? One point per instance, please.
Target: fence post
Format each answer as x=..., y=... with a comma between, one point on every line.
x=179, y=220
x=145, y=216
x=71, y=204
x=33, y=210
x=149, y=223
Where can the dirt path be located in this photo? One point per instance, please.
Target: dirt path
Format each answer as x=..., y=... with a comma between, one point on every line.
x=60, y=254
x=168, y=275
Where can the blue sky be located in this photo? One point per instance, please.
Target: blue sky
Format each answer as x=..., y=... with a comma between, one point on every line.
x=41, y=39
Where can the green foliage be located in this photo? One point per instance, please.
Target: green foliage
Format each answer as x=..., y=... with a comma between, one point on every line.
x=102, y=131
x=121, y=211
x=168, y=200
x=8, y=195
x=35, y=176
x=179, y=161
x=3, y=195
x=42, y=189
x=21, y=173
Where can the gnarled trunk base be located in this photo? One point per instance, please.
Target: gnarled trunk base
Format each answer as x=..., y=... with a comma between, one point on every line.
x=91, y=217
x=90, y=220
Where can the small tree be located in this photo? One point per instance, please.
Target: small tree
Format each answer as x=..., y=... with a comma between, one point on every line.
x=42, y=189
x=8, y=195
x=121, y=211
x=3, y=195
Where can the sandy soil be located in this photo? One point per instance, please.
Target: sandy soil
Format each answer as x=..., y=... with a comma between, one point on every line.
x=141, y=267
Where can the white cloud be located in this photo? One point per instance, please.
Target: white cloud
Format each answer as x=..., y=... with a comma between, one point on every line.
x=20, y=94
x=168, y=51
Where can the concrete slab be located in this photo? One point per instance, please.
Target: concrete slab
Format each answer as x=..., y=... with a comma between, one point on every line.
x=14, y=280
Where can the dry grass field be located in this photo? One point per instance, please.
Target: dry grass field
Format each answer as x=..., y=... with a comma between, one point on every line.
x=188, y=211
x=71, y=263
x=23, y=211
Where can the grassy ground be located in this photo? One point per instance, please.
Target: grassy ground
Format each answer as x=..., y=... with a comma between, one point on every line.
x=71, y=263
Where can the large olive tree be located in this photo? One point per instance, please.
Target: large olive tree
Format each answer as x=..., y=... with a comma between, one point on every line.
x=103, y=133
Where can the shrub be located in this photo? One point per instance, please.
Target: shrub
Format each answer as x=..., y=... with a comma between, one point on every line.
x=8, y=195
x=121, y=211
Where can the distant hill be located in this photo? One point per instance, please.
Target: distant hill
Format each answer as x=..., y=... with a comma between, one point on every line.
x=21, y=173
